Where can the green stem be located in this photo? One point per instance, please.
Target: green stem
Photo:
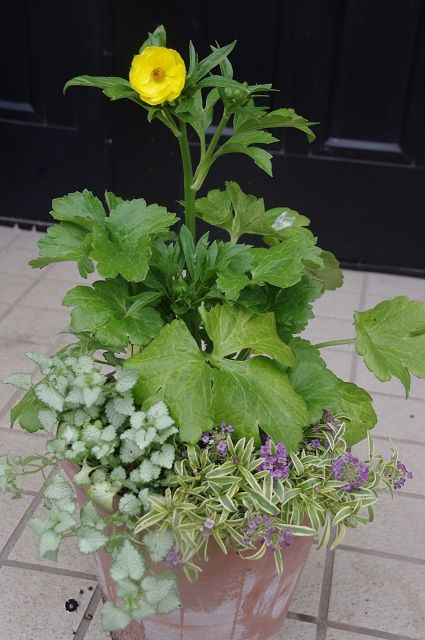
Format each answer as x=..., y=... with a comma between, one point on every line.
x=205, y=164
x=332, y=343
x=189, y=194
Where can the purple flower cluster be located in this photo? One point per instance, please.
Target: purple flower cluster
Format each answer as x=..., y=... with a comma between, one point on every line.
x=174, y=558
x=261, y=530
x=217, y=438
x=209, y=525
x=398, y=474
x=275, y=462
x=350, y=471
x=314, y=444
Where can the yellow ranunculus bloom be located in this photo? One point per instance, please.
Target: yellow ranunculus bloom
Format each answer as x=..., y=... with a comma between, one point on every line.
x=158, y=74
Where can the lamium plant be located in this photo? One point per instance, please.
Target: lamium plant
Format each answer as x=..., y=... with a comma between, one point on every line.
x=189, y=407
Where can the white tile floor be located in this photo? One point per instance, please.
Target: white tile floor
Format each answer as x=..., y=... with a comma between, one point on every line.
x=372, y=586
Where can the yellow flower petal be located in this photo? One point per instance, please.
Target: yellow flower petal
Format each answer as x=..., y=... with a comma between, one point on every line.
x=158, y=75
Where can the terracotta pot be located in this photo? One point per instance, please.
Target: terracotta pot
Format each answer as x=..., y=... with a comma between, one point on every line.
x=233, y=599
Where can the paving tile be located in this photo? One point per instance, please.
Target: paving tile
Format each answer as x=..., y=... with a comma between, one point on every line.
x=26, y=550
x=47, y=293
x=378, y=593
x=11, y=511
x=338, y=361
x=4, y=308
x=68, y=272
x=95, y=631
x=338, y=304
x=386, y=285
x=324, y=329
x=32, y=604
x=307, y=596
x=30, y=324
x=398, y=525
x=17, y=442
x=7, y=234
x=13, y=286
x=296, y=630
x=15, y=260
x=27, y=240
x=339, y=634
x=353, y=280
x=411, y=455
x=400, y=418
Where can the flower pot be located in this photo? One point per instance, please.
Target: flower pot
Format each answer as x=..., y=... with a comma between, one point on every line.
x=233, y=599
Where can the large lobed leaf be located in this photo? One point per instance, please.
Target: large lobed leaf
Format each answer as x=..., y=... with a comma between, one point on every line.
x=232, y=329
x=102, y=310
x=391, y=339
x=354, y=408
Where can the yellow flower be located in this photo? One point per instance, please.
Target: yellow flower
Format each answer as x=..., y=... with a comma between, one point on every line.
x=158, y=74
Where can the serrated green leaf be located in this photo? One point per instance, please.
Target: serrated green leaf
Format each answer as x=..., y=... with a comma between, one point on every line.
x=312, y=380
x=64, y=242
x=81, y=208
x=210, y=62
x=18, y=380
x=292, y=307
x=254, y=394
x=123, y=244
x=173, y=369
x=58, y=489
x=391, y=339
x=102, y=493
x=354, y=407
x=261, y=157
x=127, y=563
x=283, y=264
x=102, y=310
x=113, y=618
x=280, y=118
x=329, y=274
x=232, y=329
x=49, y=544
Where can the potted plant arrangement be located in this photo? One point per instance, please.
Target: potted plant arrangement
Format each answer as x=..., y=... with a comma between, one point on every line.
x=207, y=443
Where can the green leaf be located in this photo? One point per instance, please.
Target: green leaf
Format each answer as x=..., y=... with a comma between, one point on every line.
x=113, y=87
x=49, y=544
x=261, y=157
x=329, y=274
x=391, y=339
x=283, y=264
x=26, y=411
x=220, y=81
x=102, y=493
x=208, y=63
x=123, y=245
x=18, y=380
x=292, y=307
x=354, y=407
x=81, y=208
x=232, y=329
x=66, y=241
x=127, y=563
x=256, y=393
x=113, y=618
x=280, y=118
x=142, y=300
x=102, y=310
x=215, y=208
x=173, y=368
x=156, y=39
x=311, y=379
x=58, y=489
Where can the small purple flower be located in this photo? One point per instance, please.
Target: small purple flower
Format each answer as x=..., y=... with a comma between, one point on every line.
x=226, y=428
x=398, y=475
x=174, y=558
x=209, y=523
x=205, y=438
x=314, y=444
x=222, y=447
x=275, y=463
x=350, y=471
x=285, y=538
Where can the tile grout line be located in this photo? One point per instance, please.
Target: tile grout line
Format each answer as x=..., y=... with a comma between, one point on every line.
x=85, y=621
x=333, y=624
x=382, y=554
x=20, y=527
x=57, y=571
x=325, y=595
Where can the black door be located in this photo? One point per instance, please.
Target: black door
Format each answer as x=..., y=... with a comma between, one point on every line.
x=358, y=66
